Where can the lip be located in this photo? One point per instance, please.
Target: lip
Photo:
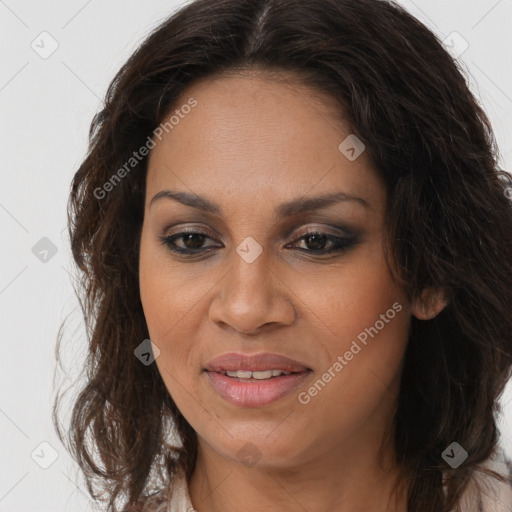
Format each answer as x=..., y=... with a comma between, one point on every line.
x=256, y=362
x=244, y=393
x=255, y=394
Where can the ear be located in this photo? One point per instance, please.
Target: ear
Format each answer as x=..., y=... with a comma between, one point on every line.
x=432, y=302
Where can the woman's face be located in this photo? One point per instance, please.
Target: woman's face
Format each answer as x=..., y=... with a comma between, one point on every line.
x=255, y=283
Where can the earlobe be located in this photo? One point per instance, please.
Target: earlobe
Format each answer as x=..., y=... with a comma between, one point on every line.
x=432, y=302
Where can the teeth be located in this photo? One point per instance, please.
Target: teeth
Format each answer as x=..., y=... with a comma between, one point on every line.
x=242, y=374
x=267, y=374
x=247, y=374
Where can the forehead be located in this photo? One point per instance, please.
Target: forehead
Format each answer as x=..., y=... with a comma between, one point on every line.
x=255, y=135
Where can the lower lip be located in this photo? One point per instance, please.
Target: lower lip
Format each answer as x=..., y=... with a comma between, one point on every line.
x=255, y=394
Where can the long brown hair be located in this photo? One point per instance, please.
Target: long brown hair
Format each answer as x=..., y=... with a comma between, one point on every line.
x=448, y=225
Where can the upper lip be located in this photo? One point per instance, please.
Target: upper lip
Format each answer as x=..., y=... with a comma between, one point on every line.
x=255, y=362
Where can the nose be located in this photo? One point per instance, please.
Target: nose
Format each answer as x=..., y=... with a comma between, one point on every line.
x=251, y=297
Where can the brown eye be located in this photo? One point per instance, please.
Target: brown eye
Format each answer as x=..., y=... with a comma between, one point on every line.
x=190, y=242
x=317, y=242
x=193, y=240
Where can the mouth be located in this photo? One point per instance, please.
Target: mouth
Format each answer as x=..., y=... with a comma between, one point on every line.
x=256, y=376
x=257, y=380
x=256, y=363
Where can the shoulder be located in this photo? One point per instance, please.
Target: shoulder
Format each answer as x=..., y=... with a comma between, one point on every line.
x=179, y=497
x=487, y=492
x=174, y=498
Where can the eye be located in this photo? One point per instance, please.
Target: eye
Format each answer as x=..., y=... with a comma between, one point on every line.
x=192, y=241
x=316, y=242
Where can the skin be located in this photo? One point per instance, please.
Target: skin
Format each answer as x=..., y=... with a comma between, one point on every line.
x=252, y=143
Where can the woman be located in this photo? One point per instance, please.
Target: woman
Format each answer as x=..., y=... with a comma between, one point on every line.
x=296, y=249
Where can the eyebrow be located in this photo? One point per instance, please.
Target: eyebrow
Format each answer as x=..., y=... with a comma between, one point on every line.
x=288, y=209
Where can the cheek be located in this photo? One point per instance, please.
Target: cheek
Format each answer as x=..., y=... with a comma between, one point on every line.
x=152, y=283
x=362, y=316
x=351, y=296
x=172, y=305
x=167, y=294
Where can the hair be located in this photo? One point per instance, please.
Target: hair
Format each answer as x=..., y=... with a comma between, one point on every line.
x=448, y=225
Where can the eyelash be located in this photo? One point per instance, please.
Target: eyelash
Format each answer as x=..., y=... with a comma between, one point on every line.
x=343, y=243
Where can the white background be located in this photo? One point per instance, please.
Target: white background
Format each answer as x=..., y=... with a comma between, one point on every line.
x=46, y=107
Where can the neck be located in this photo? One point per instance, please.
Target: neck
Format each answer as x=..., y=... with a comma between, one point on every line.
x=356, y=476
